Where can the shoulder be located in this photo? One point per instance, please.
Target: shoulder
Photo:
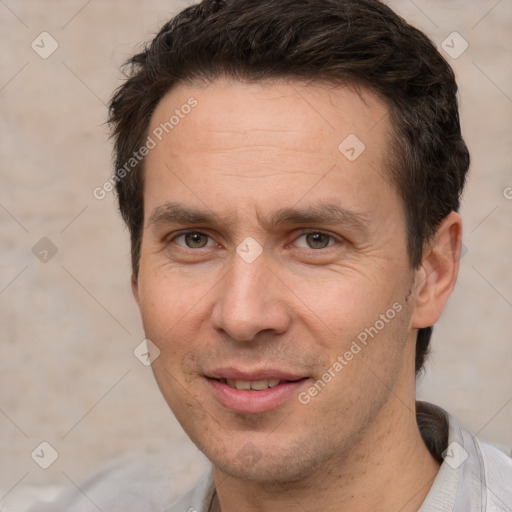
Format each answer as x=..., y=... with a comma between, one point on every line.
x=497, y=475
x=486, y=478
x=122, y=485
x=197, y=499
x=141, y=480
x=474, y=476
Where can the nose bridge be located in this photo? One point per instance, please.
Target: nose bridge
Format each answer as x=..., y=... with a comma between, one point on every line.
x=248, y=301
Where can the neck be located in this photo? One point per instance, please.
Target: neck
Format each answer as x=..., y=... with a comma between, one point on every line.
x=390, y=469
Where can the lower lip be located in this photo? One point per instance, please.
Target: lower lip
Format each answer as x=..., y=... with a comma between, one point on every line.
x=254, y=401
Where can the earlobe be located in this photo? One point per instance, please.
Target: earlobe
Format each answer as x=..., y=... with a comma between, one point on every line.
x=436, y=277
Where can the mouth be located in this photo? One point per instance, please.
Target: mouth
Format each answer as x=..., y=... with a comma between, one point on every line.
x=254, y=385
x=253, y=392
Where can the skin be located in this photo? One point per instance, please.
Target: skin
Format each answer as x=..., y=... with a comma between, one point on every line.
x=245, y=151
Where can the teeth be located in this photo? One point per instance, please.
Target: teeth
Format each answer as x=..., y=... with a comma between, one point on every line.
x=259, y=385
x=242, y=385
x=256, y=385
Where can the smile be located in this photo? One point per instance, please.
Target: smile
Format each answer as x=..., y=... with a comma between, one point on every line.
x=256, y=394
x=254, y=385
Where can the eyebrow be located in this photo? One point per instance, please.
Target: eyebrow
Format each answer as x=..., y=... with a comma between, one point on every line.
x=321, y=213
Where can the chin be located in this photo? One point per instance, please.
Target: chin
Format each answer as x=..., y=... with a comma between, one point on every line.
x=277, y=464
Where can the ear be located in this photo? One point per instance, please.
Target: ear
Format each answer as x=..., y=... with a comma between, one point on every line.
x=135, y=289
x=435, y=279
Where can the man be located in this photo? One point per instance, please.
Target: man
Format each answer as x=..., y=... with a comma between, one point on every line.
x=290, y=173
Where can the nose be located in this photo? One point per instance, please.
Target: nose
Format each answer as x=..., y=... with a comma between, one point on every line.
x=250, y=299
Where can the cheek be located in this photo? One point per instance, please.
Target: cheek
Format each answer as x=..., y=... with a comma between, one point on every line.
x=174, y=309
x=167, y=298
x=344, y=303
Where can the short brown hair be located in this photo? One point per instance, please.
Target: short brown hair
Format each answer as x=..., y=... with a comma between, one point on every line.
x=358, y=42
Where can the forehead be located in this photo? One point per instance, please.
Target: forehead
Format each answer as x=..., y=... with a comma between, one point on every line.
x=225, y=141
x=230, y=109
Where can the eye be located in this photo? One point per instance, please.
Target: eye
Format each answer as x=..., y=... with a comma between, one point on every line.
x=193, y=240
x=316, y=240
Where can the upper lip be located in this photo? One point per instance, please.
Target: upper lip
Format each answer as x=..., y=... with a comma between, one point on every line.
x=253, y=375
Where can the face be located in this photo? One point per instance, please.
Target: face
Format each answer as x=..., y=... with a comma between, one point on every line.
x=274, y=276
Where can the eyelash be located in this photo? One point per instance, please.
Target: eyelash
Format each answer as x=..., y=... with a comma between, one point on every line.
x=302, y=233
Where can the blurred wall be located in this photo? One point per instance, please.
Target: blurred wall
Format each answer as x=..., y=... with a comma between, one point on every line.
x=68, y=323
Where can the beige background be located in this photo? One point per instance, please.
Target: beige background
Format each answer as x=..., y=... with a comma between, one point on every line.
x=69, y=326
